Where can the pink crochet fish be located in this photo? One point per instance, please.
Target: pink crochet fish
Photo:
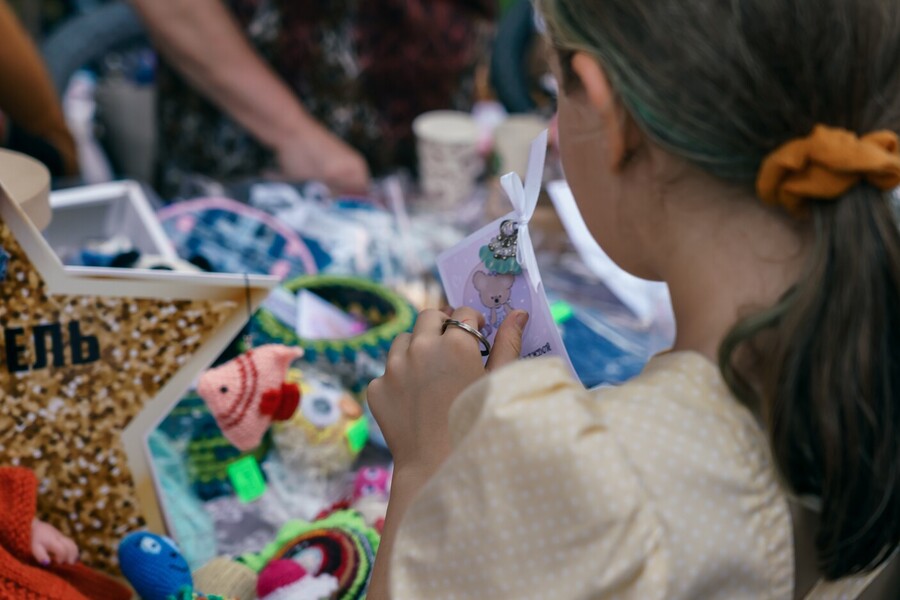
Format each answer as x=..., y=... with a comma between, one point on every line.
x=249, y=392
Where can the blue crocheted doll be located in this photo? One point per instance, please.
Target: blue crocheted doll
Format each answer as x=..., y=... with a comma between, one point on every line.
x=154, y=566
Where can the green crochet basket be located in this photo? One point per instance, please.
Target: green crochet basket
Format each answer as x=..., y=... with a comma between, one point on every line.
x=356, y=359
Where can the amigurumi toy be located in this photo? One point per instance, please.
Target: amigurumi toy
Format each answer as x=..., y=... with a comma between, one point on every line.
x=341, y=545
x=288, y=580
x=372, y=481
x=227, y=578
x=371, y=492
x=154, y=566
x=328, y=431
x=156, y=570
x=248, y=393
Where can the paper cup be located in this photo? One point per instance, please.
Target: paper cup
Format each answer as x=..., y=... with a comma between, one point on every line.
x=449, y=163
x=512, y=141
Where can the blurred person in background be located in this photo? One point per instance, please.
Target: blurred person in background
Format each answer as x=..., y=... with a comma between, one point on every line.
x=313, y=90
x=31, y=119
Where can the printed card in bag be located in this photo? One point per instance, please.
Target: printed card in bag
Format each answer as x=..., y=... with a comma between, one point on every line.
x=494, y=270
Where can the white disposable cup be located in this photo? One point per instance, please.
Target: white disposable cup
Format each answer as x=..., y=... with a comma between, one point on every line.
x=512, y=141
x=449, y=162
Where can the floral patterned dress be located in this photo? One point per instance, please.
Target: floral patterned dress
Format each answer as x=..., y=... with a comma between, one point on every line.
x=364, y=68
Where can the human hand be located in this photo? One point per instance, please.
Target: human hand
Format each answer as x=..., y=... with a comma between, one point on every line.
x=318, y=154
x=425, y=373
x=46, y=540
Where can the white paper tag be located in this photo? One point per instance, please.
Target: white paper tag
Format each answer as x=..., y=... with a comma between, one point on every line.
x=311, y=317
x=318, y=319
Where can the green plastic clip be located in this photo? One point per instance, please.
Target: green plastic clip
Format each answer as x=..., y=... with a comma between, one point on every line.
x=358, y=434
x=247, y=479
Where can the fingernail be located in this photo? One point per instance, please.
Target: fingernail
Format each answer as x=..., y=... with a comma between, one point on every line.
x=45, y=562
x=522, y=319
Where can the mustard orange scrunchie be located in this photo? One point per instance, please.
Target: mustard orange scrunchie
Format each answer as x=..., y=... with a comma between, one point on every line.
x=825, y=165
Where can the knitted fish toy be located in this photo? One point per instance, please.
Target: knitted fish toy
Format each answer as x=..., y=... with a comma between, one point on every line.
x=154, y=566
x=248, y=393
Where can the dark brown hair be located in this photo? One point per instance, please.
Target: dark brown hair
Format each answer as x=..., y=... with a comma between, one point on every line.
x=723, y=84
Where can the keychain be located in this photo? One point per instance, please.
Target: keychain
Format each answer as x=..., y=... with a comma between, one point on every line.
x=495, y=270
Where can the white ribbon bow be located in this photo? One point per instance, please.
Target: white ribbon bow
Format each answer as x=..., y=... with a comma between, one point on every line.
x=524, y=199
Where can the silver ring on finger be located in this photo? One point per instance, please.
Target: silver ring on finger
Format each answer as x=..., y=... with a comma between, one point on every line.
x=486, y=345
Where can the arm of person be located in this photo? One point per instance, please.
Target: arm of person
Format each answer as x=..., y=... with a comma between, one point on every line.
x=425, y=372
x=404, y=487
x=202, y=41
x=506, y=486
x=537, y=500
x=28, y=100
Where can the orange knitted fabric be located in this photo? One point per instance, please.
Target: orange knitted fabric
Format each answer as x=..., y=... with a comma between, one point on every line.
x=825, y=164
x=20, y=577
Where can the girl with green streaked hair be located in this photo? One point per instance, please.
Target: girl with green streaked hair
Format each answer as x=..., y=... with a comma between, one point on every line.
x=745, y=152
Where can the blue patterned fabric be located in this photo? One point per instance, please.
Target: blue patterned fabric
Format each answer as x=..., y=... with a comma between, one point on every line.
x=232, y=237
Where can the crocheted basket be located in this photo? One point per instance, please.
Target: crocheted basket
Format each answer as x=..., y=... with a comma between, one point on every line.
x=356, y=359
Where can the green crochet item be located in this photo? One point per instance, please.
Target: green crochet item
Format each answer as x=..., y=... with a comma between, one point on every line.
x=209, y=458
x=345, y=543
x=387, y=313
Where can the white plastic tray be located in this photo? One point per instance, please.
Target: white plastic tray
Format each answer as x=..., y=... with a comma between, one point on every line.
x=99, y=212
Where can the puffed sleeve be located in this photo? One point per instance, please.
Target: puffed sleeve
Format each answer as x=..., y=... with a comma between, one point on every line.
x=538, y=500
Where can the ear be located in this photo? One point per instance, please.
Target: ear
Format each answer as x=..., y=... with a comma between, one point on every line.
x=619, y=129
x=478, y=280
x=508, y=280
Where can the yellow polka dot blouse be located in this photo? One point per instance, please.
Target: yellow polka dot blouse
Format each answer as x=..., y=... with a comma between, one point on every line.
x=660, y=489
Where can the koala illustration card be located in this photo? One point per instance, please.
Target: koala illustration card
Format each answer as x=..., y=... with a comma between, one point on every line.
x=495, y=272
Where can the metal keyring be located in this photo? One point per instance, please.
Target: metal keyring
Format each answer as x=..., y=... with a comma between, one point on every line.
x=469, y=329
